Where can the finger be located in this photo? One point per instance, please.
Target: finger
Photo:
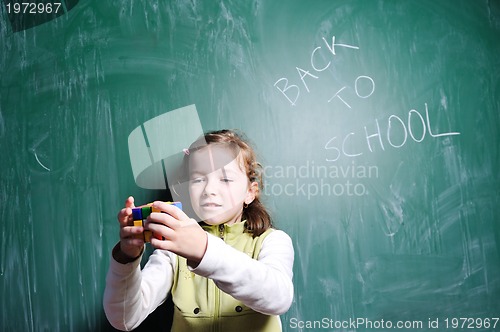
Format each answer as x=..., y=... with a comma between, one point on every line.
x=160, y=230
x=171, y=209
x=132, y=236
x=130, y=202
x=162, y=244
x=130, y=231
x=163, y=219
x=124, y=216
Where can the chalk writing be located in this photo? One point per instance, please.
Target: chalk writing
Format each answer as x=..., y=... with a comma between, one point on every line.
x=375, y=137
x=292, y=91
x=356, y=89
x=398, y=131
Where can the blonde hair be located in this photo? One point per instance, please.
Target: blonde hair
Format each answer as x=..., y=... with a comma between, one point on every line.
x=257, y=218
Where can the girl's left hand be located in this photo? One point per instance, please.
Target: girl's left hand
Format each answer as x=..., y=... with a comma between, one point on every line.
x=183, y=236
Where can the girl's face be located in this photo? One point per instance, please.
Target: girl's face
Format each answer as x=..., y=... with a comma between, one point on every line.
x=218, y=185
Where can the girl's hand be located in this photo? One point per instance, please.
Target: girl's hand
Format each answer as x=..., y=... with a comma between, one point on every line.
x=183, y=236
x=130, y=245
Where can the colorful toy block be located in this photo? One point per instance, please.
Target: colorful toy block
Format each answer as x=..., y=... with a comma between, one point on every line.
x=140, y=214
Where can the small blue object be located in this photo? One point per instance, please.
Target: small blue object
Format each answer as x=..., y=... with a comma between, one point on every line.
x=137, y=213
x=178, y=204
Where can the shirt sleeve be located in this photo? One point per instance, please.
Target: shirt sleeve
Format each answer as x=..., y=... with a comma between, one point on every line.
x=131, y=294
x=265, y=284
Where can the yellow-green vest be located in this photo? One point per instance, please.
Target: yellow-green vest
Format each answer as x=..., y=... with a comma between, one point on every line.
x=199, y=305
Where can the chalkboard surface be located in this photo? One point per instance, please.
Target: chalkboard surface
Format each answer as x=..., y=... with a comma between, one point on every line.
x=377, y=123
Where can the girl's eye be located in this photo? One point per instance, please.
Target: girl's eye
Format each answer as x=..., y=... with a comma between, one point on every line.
x=226, y=180
x=197, y=180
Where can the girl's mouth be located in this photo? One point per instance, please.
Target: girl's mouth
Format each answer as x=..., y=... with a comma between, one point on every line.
x=210, y=205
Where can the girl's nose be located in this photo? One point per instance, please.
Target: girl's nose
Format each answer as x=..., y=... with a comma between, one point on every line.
x=210, y=187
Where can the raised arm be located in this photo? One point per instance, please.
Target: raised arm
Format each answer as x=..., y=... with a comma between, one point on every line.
x=265, y=284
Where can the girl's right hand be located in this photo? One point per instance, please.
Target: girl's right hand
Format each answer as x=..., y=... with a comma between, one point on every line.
x=130, y=244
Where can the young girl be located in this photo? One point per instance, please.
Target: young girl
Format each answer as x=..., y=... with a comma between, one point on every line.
x=230, y=272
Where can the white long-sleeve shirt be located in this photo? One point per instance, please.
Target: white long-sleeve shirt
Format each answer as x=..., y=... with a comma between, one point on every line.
x=264, y=285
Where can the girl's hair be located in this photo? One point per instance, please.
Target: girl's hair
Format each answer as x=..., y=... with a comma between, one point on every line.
x=257, y=218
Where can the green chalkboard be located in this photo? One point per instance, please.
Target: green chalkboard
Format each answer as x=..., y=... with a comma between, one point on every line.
x=377, y=123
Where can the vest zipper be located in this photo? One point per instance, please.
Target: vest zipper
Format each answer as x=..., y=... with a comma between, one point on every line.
x=217, y=290
x=221, y=231
x=216, y=327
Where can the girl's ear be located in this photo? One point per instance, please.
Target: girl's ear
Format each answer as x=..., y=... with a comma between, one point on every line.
x=252, y=193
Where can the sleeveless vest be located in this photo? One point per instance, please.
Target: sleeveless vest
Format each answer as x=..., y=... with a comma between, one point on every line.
x=199, y=305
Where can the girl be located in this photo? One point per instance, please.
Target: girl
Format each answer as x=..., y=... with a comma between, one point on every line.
x=230, y=272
